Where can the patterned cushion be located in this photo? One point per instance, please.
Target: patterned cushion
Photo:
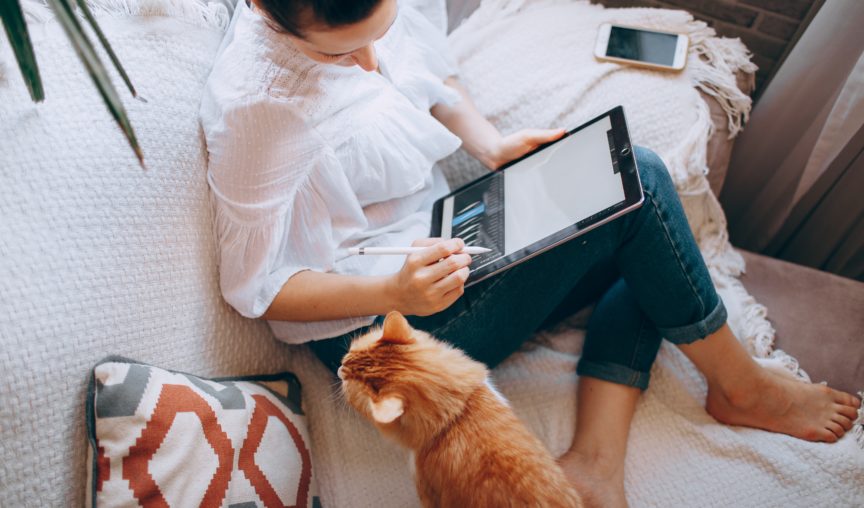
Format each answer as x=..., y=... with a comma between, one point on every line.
x=163, y=438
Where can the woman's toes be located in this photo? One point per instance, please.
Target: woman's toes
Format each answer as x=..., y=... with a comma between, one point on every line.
x=846, y=399
x=844, y=422
x=823, y=434
x=827, y=436
x=847, y=411
x=836, y=429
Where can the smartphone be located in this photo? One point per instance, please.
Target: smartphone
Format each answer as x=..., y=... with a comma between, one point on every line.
x=641, y=47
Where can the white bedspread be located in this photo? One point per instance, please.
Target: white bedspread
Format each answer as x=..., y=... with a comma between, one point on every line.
x=529, y=64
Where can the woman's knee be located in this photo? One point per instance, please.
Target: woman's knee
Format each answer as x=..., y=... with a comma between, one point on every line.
x=653, y=173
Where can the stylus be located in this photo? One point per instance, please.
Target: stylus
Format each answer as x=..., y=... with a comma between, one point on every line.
x=404, y=251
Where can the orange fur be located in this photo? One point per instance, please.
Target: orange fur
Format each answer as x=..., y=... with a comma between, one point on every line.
x=469, y=447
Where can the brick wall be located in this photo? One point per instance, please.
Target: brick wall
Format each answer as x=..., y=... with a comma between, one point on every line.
x=767, y=27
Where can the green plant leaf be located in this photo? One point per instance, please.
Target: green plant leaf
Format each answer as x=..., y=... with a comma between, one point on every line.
x=82, y=4
x=16, y=31
x=87, y=53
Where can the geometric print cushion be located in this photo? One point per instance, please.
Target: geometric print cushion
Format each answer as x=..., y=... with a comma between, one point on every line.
x=168, y=439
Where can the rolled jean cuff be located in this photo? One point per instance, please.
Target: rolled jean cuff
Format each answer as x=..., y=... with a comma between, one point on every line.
x=698, y=330
x=614, y=373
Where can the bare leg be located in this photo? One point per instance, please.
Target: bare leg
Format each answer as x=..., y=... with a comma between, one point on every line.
x=740, y=392
x=595, y=461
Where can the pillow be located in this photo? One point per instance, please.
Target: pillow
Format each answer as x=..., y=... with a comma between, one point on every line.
x=164, y=438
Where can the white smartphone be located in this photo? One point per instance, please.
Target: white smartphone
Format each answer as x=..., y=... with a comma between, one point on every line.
x=638, y=46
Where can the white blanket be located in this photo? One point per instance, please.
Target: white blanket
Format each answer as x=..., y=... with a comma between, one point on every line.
x=529, y=64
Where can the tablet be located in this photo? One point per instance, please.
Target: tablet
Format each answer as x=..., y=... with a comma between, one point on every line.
x=547, y=197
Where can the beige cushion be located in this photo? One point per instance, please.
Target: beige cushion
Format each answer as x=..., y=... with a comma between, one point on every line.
x=819, y=317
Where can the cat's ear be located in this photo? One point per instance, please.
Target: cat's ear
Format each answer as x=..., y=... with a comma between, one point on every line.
x=387, y=409
x=396, y=329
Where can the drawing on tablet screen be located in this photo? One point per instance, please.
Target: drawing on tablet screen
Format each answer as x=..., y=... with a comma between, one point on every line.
x=479, y=219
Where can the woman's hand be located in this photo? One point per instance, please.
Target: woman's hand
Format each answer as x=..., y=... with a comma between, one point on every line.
x=431, y=280
x=513, y=146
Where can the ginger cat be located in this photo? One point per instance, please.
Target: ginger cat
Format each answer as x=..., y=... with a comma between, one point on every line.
x=468, y=447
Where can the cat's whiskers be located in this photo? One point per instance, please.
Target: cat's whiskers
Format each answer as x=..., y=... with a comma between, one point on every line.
x=335, y=391
x=337, y=396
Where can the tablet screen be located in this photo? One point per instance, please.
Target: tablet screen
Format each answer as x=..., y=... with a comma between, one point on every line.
x=560, y=186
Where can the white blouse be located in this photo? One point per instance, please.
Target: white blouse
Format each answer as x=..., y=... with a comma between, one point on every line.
x=307, y=159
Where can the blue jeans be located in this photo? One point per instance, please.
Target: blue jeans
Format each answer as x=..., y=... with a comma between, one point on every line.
x=646, y=264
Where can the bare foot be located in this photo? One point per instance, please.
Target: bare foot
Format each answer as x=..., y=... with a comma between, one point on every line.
x=600, y=483
x=773, y=402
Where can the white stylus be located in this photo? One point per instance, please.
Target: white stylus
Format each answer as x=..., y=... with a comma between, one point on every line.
x=404, y=251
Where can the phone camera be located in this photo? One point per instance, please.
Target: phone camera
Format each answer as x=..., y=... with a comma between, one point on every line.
x=625, y=151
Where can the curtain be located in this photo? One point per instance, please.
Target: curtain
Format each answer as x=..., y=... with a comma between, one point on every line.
x=795, y=188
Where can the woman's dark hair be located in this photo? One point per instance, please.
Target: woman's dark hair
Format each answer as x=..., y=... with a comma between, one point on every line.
x=289, y=14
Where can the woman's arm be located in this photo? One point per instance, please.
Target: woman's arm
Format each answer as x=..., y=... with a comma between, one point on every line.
x=429, y=282
x=316, y=296
x=480, y=138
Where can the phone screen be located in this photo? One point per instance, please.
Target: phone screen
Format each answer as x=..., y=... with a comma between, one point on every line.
x=644, y=46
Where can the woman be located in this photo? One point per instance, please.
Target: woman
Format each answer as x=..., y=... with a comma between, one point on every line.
x=324, y=120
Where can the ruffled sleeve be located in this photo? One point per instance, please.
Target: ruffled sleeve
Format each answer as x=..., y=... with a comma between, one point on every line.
x=282, y=203
x=417, y=55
